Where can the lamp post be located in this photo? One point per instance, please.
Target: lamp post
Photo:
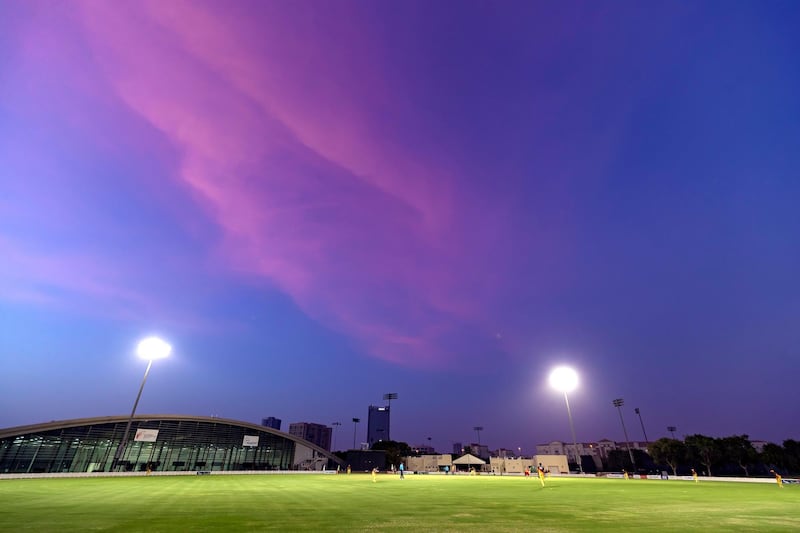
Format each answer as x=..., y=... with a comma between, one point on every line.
x=672, y=430
x=636, y=410
x=618, y=403
x=151, y=348
x=355, y=425
x=335, y=425
x=565, y=379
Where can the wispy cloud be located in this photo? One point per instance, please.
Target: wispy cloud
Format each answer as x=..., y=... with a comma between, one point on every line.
x=299, y=153
x=296, y=162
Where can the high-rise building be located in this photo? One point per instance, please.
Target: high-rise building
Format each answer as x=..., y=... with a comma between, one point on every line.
x=313, y=433
x=271, y=422
x=458, y=449
x=378, y=424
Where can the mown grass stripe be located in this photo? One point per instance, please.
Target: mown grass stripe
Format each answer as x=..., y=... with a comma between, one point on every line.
x=419, y=503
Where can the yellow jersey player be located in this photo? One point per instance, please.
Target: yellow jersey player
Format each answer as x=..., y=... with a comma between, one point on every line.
x=540, y=470
x=778, y=478
x=694, y=475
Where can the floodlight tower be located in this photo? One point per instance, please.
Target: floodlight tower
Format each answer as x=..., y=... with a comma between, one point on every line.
x=335, y=425
x=478, y=429
x=672, y=430
x=565, y=379
x=151, y=348
x=636, y=410
x=389, y=396
x=618, y=403
x=355, y=425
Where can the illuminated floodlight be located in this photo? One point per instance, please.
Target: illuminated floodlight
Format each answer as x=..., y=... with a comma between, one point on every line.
x=153, y=348
x=564, y=379
x=150, y=349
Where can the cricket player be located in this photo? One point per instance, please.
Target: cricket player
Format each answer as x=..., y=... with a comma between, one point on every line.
x=778, y=478
x=540, y=470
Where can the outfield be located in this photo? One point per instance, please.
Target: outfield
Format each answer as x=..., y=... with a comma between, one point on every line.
x=417, y=503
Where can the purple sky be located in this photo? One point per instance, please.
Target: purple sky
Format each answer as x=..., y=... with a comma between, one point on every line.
x=317, y=203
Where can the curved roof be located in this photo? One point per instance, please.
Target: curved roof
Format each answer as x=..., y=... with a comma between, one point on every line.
x=61, y=424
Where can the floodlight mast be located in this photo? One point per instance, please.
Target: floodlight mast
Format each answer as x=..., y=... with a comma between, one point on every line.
x=150, y=348
x=478, y=429
x=618, y=403
x=335, y=424
x=565, y=379
x=389, y=396
x=639, y=413
x=355, y=425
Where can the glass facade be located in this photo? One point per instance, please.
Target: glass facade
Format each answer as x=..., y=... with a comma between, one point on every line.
x=378, y=424
x=181, y=444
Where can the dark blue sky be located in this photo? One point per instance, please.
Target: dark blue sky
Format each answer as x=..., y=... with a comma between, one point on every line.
x=318, y=203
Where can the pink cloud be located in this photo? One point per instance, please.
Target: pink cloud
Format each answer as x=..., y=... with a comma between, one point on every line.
x=283, y=138
x=289, y=137
x=94, y=284
x=33, y=276
x=283, y=131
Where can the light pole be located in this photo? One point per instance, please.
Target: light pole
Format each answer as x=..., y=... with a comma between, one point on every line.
x=618, y=403
x=389, y=396
x=335, y=425
x=478, y=429
x=565, y=379
x=355, y=425
x=151, y=348
x=672, y=430
x=636, y=410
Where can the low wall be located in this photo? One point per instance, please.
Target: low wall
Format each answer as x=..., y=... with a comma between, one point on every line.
x=174, y=473
x=654, y=477
x=701, y=479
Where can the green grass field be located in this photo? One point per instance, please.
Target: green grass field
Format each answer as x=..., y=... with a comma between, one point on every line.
x=418, y=503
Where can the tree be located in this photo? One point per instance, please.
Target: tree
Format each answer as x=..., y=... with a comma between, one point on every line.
x=739, y=449
x=791, y=449
x=668, y=451
x=703, y=449
x=773, y=456
x=395, y=451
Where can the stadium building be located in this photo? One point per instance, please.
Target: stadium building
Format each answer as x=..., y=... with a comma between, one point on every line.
x=159, y=442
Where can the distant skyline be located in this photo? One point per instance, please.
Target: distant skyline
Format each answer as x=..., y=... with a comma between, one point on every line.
x=317, y=203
